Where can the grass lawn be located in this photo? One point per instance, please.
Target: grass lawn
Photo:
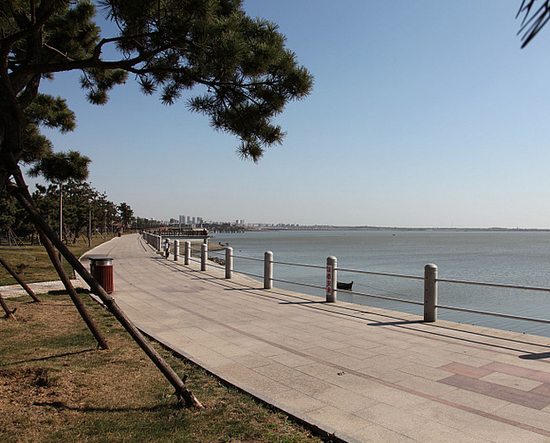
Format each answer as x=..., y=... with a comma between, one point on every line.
x=32, y=263
x=55, y=386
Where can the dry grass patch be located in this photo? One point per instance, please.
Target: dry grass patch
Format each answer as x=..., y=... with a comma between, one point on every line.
x=56, y=387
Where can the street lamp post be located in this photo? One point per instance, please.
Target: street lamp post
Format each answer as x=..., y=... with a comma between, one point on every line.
x=89, y=223
x=60, y=219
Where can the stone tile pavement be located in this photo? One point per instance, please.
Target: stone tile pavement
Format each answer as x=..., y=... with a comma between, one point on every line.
x=365, y=374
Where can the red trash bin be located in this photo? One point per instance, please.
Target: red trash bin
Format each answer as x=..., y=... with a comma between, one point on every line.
x=101, y=269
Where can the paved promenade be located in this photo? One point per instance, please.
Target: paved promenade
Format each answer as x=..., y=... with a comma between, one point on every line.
x=366, y=374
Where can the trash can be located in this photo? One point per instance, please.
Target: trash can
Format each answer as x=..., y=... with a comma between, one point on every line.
x=101, y=269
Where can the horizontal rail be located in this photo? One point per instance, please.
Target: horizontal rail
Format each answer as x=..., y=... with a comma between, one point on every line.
x=494, y=285
x=247, y=258
x=268, y=277
x=383, y=274
x=251, y=274
x=298, y=283
x=383, y=297
x=298, y=265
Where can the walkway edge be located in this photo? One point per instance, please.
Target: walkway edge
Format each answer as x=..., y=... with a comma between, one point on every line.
x=316, y=427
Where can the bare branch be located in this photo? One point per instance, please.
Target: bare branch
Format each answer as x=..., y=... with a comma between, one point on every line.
x=57, y=51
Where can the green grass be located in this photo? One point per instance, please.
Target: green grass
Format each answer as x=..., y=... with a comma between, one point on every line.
x=55, y=386
x=32, y=263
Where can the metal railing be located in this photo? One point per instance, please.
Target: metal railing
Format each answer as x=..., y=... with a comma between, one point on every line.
x=299, y=265
x=430, y=281
x=383, y=274
x=250, y=274
x=494, y=314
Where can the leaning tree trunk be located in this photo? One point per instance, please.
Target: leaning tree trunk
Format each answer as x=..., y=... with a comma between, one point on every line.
x=8, y=311
x=20, y=192
x=19, y=280
x=101, y=342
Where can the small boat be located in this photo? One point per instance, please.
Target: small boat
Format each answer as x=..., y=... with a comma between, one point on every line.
x=345, y=286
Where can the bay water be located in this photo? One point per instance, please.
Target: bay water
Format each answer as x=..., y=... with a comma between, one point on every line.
x=503, y=257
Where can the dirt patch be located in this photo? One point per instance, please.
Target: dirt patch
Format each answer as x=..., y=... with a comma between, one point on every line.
x=34, y=398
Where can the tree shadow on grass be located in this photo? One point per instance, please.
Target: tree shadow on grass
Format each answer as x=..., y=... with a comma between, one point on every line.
x=50, y=357
x=59, y=405
x=64, y=291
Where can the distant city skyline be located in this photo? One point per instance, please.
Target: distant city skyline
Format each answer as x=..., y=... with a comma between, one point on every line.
x=423, y=114
x=199, y=221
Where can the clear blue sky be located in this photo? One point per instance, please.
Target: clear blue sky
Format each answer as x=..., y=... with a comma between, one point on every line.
x=424, y=113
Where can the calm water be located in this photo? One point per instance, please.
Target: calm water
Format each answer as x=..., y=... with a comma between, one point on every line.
x=512, y=257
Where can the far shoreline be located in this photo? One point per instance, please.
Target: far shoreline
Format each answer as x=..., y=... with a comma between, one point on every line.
x=386, y=228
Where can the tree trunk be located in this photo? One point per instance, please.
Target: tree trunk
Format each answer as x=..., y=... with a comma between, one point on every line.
x=8, y=311
x=19, y=280
x=101, y=342
x=20, y=192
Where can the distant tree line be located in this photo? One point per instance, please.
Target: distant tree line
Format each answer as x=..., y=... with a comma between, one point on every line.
x=81, y=203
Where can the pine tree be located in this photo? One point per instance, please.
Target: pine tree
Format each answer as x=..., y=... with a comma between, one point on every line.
x=168, y=46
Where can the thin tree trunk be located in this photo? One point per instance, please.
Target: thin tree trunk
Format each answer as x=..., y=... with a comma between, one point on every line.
x=101, y=342
x=20, y=192
x=19, y=280
x=8, y=311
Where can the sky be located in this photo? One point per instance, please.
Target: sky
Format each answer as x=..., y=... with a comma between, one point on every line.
x=424, y=113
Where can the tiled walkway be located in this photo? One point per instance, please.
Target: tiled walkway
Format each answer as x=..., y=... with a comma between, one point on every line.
x=367, y=374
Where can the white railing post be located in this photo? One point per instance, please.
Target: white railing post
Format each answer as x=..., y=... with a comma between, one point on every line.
x=204, y=256
x=176, y=250
x=187, y=252
x=228, y=262
x=331, y=279
x=430, y=293
x=268, y=270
